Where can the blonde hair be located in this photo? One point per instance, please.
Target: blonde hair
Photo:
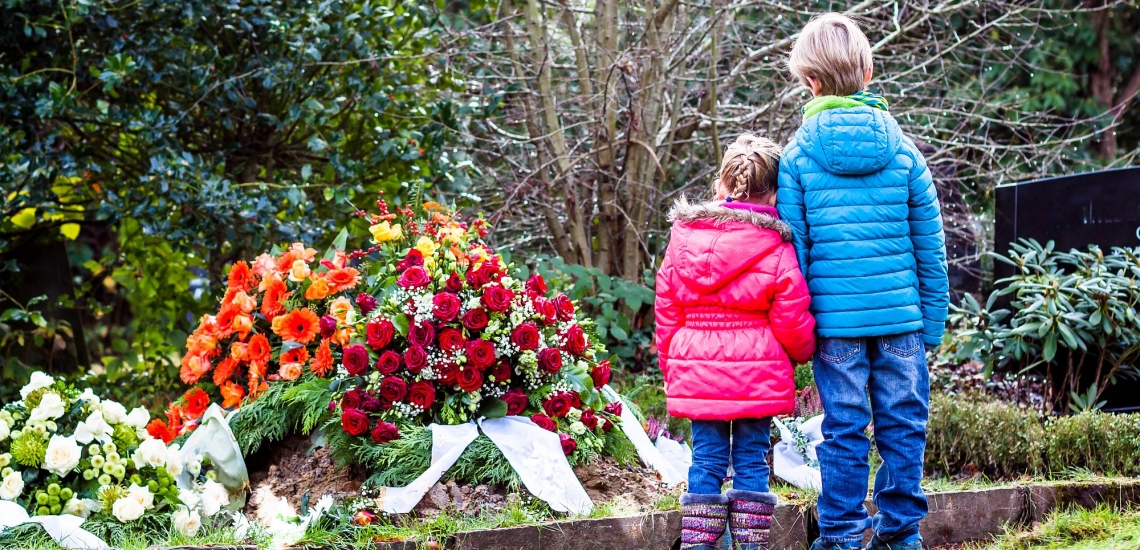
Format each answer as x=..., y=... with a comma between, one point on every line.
x=749, y=168
x=832, y=50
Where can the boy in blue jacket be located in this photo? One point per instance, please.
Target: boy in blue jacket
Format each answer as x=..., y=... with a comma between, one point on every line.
x=867, y=228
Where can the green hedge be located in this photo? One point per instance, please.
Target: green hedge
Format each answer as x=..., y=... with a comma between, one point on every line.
x=1004, y=441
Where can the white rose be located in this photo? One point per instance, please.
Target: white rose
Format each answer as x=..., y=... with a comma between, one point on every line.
x=114, y=413
x=141, y=494
x=90, y=396
x=62, y=455
x=138, y=418
x=12, y=486
x=214, y=497
x=51, y=407
x=4, y=430
x=151, y=452
x=189, y=498
x=95, y=427
x=174, y=460
x=127, y=509
x=39, y=380
x=186, y=521
x=82, y=507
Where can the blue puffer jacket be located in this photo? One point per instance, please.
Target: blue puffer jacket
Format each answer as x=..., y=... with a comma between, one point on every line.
x=866, y=225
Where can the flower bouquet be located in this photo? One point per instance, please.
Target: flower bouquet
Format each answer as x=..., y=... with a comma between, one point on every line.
x=66, y=452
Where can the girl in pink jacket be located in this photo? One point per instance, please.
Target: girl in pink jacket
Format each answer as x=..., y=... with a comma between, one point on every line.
x=732, y=315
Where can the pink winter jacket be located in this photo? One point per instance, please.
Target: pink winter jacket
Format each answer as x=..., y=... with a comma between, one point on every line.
x=731, y=308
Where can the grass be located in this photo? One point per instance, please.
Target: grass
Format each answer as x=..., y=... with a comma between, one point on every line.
x=1100, y=528
x=31, y=536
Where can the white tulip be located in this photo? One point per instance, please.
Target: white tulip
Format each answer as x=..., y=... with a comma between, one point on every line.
x=12, y=486
x=214, y=497
x=186, y=522
x=95, y=427
x=62, y=455
x=151, y=452
x=138, y=418
x=114, y=413
x=127, y=509
x=51, y=407
x=39, y=380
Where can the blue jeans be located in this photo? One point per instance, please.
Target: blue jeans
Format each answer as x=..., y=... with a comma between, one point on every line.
x=892, y=371
x=745, y=442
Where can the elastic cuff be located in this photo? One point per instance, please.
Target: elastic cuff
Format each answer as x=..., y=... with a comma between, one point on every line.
x=842, y=541
x=752, y=496
x=694, y=498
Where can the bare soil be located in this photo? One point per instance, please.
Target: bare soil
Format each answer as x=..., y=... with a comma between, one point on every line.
x=288, y=471
x=606, y=481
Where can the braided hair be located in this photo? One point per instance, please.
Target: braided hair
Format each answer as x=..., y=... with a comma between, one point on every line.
x=749, y=169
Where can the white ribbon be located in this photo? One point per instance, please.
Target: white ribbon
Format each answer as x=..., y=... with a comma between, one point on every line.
x=649, y=454
x=213, y=439
x=536, y=455
x=788, y=464
x=447, y=443
x=64, y=529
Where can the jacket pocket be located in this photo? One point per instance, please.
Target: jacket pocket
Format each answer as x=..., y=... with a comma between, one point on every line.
x=901, y=345
x=838, y=350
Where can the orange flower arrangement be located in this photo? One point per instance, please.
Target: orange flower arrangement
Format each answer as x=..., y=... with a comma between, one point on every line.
x=232, y=394
x=343, y=279
x=275, y=293
x=299, y=325
x=295, y=355
x=318, y=289
x=323, y=360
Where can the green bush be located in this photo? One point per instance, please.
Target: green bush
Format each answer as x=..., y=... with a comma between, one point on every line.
x=1102, y=443
x=999, y=439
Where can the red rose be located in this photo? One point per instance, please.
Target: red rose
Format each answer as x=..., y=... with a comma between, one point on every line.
x=483, y=276
x=446, y=306
x=422, y=394
x=614, y=408
x=497, y=298
x=385, y=432
x=558, y=405
x=525, y=337
x=354, y=422
x=480, y=353
x=393, y=388
x=415, y=258
x=451, y=339
x=536, y=284
x=380, y=334
x=568, y=444
x=589, y=419
x=575, y=340
x=366, y=302
x=454, y=284
x=415, y=358
x=470, y=379
x=565, y=307
x=607, y=425
x=328, y=326
x=501, y=372
x=550, y=360
x=352, y=400
x=546, y=308
x=421, y=334
x=601, y=374
x=516, y=401
x=448, y=374
x=414, y=277
x=388, y=363
x=475, y=319
x=544, y=422
x=356, y=359
x=370, y=403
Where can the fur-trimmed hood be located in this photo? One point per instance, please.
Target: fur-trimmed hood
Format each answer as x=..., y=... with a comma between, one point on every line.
x=685, y=211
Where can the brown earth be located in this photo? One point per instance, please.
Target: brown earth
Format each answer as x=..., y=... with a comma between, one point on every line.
x=626, y=487
x=289, y=471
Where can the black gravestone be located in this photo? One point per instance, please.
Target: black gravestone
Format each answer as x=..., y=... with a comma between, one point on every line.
x=1101, y=208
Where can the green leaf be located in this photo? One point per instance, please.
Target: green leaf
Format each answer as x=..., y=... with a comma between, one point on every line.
x=290, y=345
x=1050, y=350
x=493, y=408
x=402, y=323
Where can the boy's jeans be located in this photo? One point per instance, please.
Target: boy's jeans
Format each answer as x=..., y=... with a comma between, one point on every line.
x=892, y=370
x=712, y=448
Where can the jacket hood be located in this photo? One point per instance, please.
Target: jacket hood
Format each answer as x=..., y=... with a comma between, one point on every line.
x=850, y=141
x=707, y=256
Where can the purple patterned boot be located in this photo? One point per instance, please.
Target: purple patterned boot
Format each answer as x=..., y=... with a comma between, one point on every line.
x=750, y=518
x=703, y=520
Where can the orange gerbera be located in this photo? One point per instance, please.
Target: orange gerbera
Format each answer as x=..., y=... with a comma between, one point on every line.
x=193, y=367
x=299, y=325
x=318, y=288
x=196, y=403
x=232, y=395
x=225, y=370
x=258, y=350
x=275, y=293
x=159, y=430
x=295, y=355
x=256, y=389
x=256, y=373
x=174, y=418
x=430, y=206
x=323, y=360
x=241, y=277
x=342, y=279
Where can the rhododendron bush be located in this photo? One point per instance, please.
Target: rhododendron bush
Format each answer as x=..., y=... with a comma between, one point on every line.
x=427, y=324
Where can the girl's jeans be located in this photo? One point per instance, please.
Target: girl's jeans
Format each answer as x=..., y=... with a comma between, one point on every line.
x=715, y=442
x=892, y=371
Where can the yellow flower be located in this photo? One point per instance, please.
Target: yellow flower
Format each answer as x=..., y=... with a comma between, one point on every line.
x=426, y=246
x=384, y=232
x=452, y=233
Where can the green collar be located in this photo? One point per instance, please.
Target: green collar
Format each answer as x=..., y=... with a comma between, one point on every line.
x=825, y=102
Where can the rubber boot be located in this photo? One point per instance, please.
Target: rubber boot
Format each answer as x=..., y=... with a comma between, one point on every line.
x=750, y=518
x=703, y=520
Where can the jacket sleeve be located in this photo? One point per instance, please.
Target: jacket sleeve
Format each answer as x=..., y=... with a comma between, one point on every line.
x=929, y=252
x=667, y=313
x=793, y=210
x=791, y=321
